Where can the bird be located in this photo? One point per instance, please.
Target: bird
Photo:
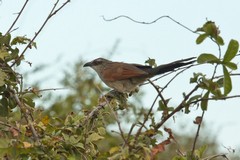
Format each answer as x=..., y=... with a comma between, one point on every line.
x=126, y=77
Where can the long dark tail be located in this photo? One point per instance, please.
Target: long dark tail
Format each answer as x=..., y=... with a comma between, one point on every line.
x=171, y=66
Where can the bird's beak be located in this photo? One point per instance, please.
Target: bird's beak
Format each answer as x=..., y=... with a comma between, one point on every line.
x=88, y=64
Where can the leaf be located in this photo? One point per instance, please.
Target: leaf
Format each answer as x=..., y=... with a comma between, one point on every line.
x=211, y=29
x=230, y=65
x=219, y=40
x=232, y=50
x=198, y=120
x=163, y=107
x=4, y=107
x=207, y=58
x=14, y=132
x=101, y=131
x=195, y=77
x=3, y=76
x=3, y=54
x=151, y=62
x=199, y=152
x=227, y=82
x=94, y=137
x=29, y=101
x=204, y=102
x=201, y=38
x=27, y=145
x=114, y=149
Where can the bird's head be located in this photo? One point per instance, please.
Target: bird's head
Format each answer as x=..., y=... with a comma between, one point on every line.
x=97, y=64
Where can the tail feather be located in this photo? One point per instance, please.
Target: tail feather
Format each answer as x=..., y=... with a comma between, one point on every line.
x=171, y=66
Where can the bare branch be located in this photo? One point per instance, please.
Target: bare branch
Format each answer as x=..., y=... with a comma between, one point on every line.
x=52, y=13
x=19, y=14
x=215, y=99
x=151, y=22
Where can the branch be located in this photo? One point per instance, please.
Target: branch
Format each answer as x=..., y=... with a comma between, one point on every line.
x=215, y=99
x=19, y=14
x=145, y=119
x=180, y=106
x=26, y=114
x=197, y=134
x=216, y=156
x=159, y=92
x=95, y=112
x=9, y=126
x=151, y=22
x=52, y=13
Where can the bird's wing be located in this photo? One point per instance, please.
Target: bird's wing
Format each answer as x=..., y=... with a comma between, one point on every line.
x=120, y=71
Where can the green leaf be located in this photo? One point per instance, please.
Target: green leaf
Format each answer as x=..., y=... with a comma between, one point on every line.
x=29, y=101
x=211, y=29
x=163, y=107
x=151, y=62
x=101, y=131
x=232, y=50
x=219, y=40
x=3, y=76
x=230, y=65
x=201, y=38
x=3, y=54
x=207, y=58
x=199, y=152
x=220, y=82
x=204, y=102
x=4, y=107
x=195, y=77
x=227, y=82
x=94, y=137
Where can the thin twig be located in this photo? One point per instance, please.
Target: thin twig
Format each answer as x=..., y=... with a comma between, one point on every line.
x=9, y=126
x=145, y=119
x=214, y=99
x=159, y=92
x=130, y=132
x=52, y=13
x=33, y=90
x=19, y=14
x=151, y=22
x=197, y=134
x=216, y=156
x=183, y=69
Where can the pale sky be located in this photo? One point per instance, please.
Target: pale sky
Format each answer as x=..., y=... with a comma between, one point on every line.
x=79, y=31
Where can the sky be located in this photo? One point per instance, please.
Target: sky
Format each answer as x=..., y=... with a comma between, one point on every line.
x=78, y=31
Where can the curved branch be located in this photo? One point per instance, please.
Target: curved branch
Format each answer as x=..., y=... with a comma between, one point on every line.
x=151, y=22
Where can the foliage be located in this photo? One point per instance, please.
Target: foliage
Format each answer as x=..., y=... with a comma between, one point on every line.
x=78, y=125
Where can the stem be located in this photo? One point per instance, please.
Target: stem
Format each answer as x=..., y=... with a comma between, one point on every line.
x=197, y=134
x=19, y=14
x=52, y=13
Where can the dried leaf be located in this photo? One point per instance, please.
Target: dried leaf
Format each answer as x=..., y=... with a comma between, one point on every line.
x=14, y=132
x=198, y=120
x=27, y=145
